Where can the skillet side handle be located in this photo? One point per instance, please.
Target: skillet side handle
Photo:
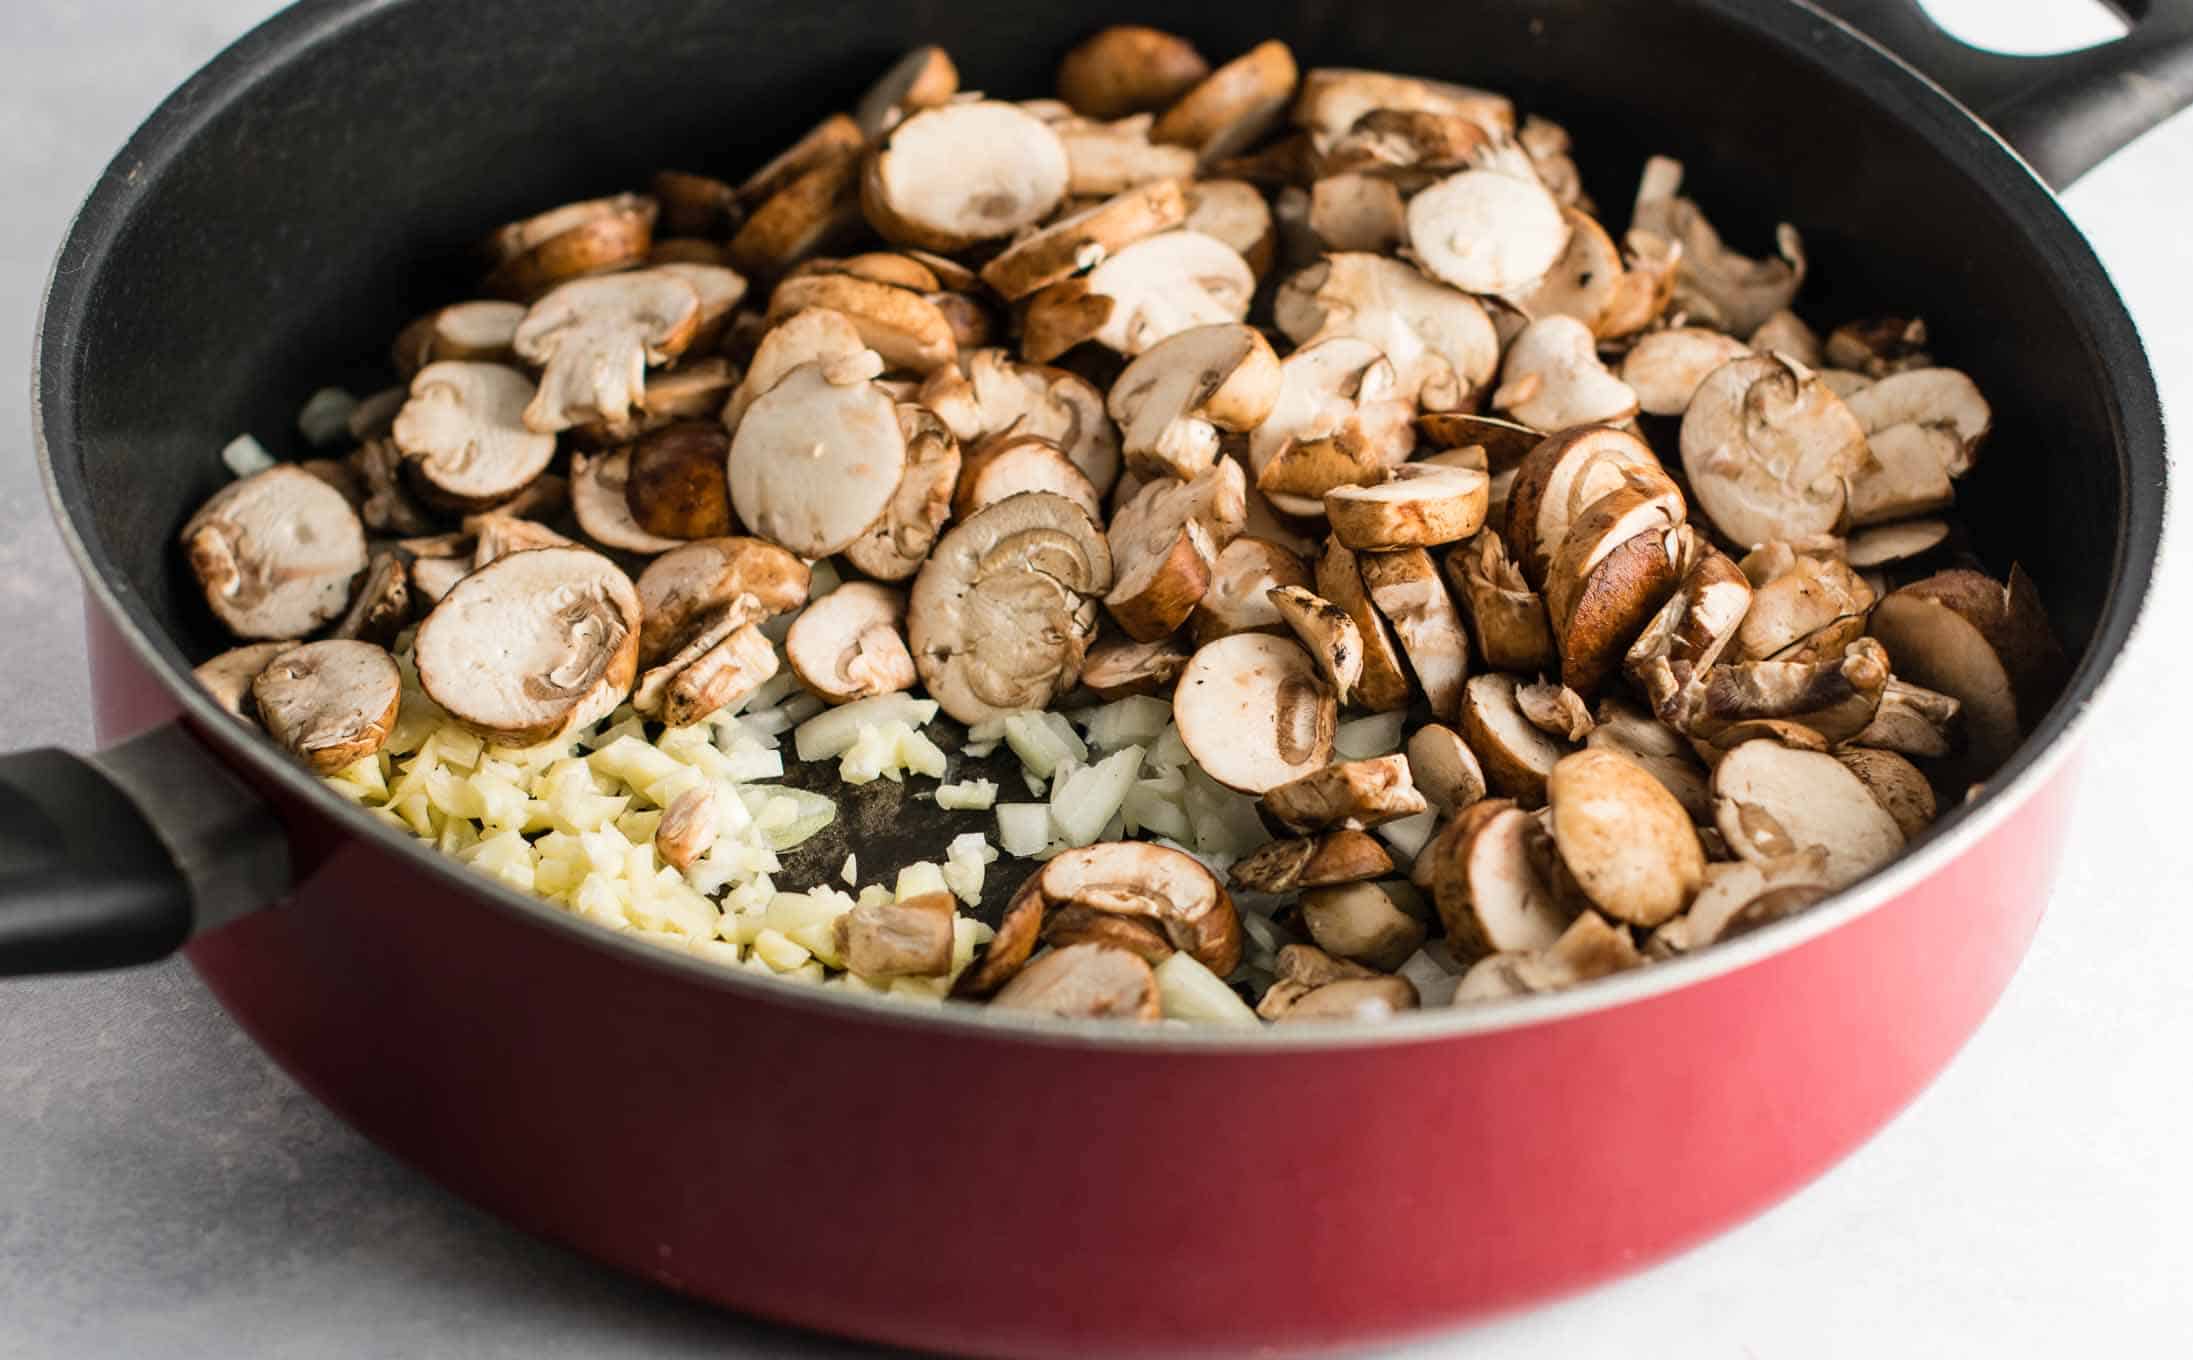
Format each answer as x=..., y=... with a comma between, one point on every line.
x=2064, y=113
x=118, y=858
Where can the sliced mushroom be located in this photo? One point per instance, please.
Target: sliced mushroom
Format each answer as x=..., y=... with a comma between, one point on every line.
x=1584, y=283
x=1897, y=785
x=531, y=645
x=1771, y=800
x=1486, y=232
x=228, y=676
x=1282, y=866
x=1003, y=610
x=1516, y=756
x=464, y=436
x=1405, y=587
x=382, y=606
x=1238, y=599
x=1553, y=379
x=1232, y=108
x=812, y=203
x=1254, y=711
x=949, y=177
x=330, y=704
x=1665, y=368
x=816, y=335
x=1785, y=333
x=1119, y=667
x=1085, y=239
x=600, y=504
x=1339, y=420
x=674, y=482
x=688, y=827
x=1155, y=288
x=848, y=644
x=1173, y=401
x=1417, y=506
x=701, y=585
x=1556, y=710
x=695, y=205
x=1444, y=769
x=1383, y=687
x=922, y=79
x=594, y=237
x=479, y=332
x=1912, y=721
x=1128, y=68
x=594, y=340
x=724, y=674
x=1357, y=999
x=1874, y=347
x=907, y=329
x=1164, y=543
x=1327, y=631
x=275, y=553
x=1106, y=159
x=1352, y=793
x=1489, y=884
x=1625, y=840
x=817, y=458
x=434, y=577
x=1808, y=613
x=896, y=545
x=1889, y=544
x=996, y=394
x=1083, y=982
x=1614, y=602
x=1234, y=211
x=1350, y=212
x=1361, y=923
x=1729, y=887
x=1658, y=750
x=1440, y=342
x=1645, y=501
x=1770, y=451
x=1151, y=885
x=1013, y=463
x=908, y=938
x=1714, y=284
x=1985, y=644
x=1507, y=617
x=1335, y=99
x=1557, y=482
x=1691, y=630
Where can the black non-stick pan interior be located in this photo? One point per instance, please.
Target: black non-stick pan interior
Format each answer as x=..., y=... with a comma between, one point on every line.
x=338, y=188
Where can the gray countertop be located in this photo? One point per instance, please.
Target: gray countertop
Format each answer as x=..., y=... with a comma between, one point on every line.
x=165, y=1192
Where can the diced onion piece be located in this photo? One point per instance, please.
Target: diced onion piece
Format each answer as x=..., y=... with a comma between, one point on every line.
x=1365, y=738
x=1082, y=803
x=833, y=733
x=1038, y=744
x=246, y=456
x=851, y=870
x=1186, y=990
x=1169, y=752
x=1157, y=812
x=1135, y=720
x=324, y=419
x=967, y=795
x=779, y=951
x=1023, y=828
x=920, y=879
x=1409, y=835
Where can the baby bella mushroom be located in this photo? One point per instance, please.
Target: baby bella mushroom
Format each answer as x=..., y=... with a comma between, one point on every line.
x=1770, y=451
x=330, y=703
x=817, y=458
x=276, y=553
x=1624, y=838
x=1254, y=711
x=848, y=644
x=594, y=339
x=951, y=176
x=1175, y=399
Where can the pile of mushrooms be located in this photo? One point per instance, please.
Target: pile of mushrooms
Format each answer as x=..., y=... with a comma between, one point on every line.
x=1295, y=397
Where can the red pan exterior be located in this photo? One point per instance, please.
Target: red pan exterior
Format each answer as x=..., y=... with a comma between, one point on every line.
x=998, y=1195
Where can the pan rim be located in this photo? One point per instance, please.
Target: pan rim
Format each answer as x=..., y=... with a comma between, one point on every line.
x=2137, y=436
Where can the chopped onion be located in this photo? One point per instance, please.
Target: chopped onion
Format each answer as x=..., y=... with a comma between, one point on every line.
x=967, y=795
x=1135, y=720
x=324, y=419
x=246, y=456
x=1023, y=828
x=1038, y=744
x=833, y=733
x=920, y=879
x=1377, y=735
x=1186, y=990
x=1409, y=835
x=1083, y=802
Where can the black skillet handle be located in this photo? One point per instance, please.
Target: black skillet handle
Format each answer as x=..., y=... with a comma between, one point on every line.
x=2064, y=113
x=117, y=858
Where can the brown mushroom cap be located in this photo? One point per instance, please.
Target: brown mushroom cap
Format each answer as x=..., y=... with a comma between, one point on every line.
x=816, y=459
x=1175, y=398
x=1665, y=368
x=1809, y=612
x=602, y=508
x=1165, y=284
x=1327, y=631
x=1242, y=577
x=1772, y=800
x=1444, y=769
x=1487, y=232
x=1897, y=785
x=382, y=606
x=1337, y=413
x=1357, y=212
x=1153, y=885
x=1937, y=398
x=1254, y=711
x=1003, y=610
x=1361, y=922
x=723, y=674
x=1558, y=481
x=1357, y=999
x=1229, y=110
x=330, y=703
x=1336, y=98
x=848, y=644
x=1118, y=667
x=1517, y=757
x=1912, y=721
x=1626, y=840
x=699, y=584
x=909, y=330
x=1163, y=544
x=1384, y=685
x=1281, y=866
x=532, y=644
x=922, y=79
x=1128, y=68
x=1351, y=793
x=1658, y=750
x=1405, y=587
x=228, y=676
x=1617, y=599
x=674, y=481
x=1645, y=502
x=1985, y=644
x=948, y=177
x=1440, y=342
x=1083, y=239
x=594, y=339
x=464, y=434
x=1104, y=159
x=1418, y=506
x=1555, y=710
x=1769, y=451
x=276, y=553
x=1506, y=617
x=1488, y=883
x=896, y=545
x=812, y=210
x=1083, y=982
x=591, y=237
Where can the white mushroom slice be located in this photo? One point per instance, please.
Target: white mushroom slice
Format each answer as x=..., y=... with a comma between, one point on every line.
x=1488, y=881
x=1118, y=668
x=1933, y=398
x=464, y=432
x=694, y=391
x=814, y=336
x=1770, y=451
x=1897, y=785
x=1844, y=383
x=997, y=394
x=1173, y=401
x=228, y=676
x=1586, y=283
x=1254, y=711
x=1805, y=614
x=1666, y=367
x=594, y=339
x=1361, y=922
x=1905, y=472
x=1335, y=98
x=1892, y=543
x=1770, y=801
x=480, y=332
x=1159, y=287
x=1339, y=418
x=1658, y=750
x=907, y=329
x=1515, y=755
x=1626, y=841
x=1444, y=769
x=1553, y=379
x=434, y=577
x=922, y=79
x=1557, y=482
x=1232, y=108
x=698, y=585
x=1417, y=506
x=724, y=674
x=1326, y=629
x=276, y=553
x=1785, y=333
x=1486, y=232
x=1104, y=160
x=1506, y=617
x=1354, y=793
x=1014, y=463
x=848, y=644
x=1003, y=611
x=1126, y=69
x=1440, y=342
x=817, y=459
x=1912, y=721
x=532, y=645
x=598, y=502
x=1405, y=587
x=896, y=545
x=1715, y=285
x=1351, y=212
x=330, y=704
x=949, y=177
x=719, y=289
x=1242, y=577
x=1384, y=687
x=1085, y=239
x=655, y=679
x=1985, y=644
x=1234, y=211
x=1083, y=982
